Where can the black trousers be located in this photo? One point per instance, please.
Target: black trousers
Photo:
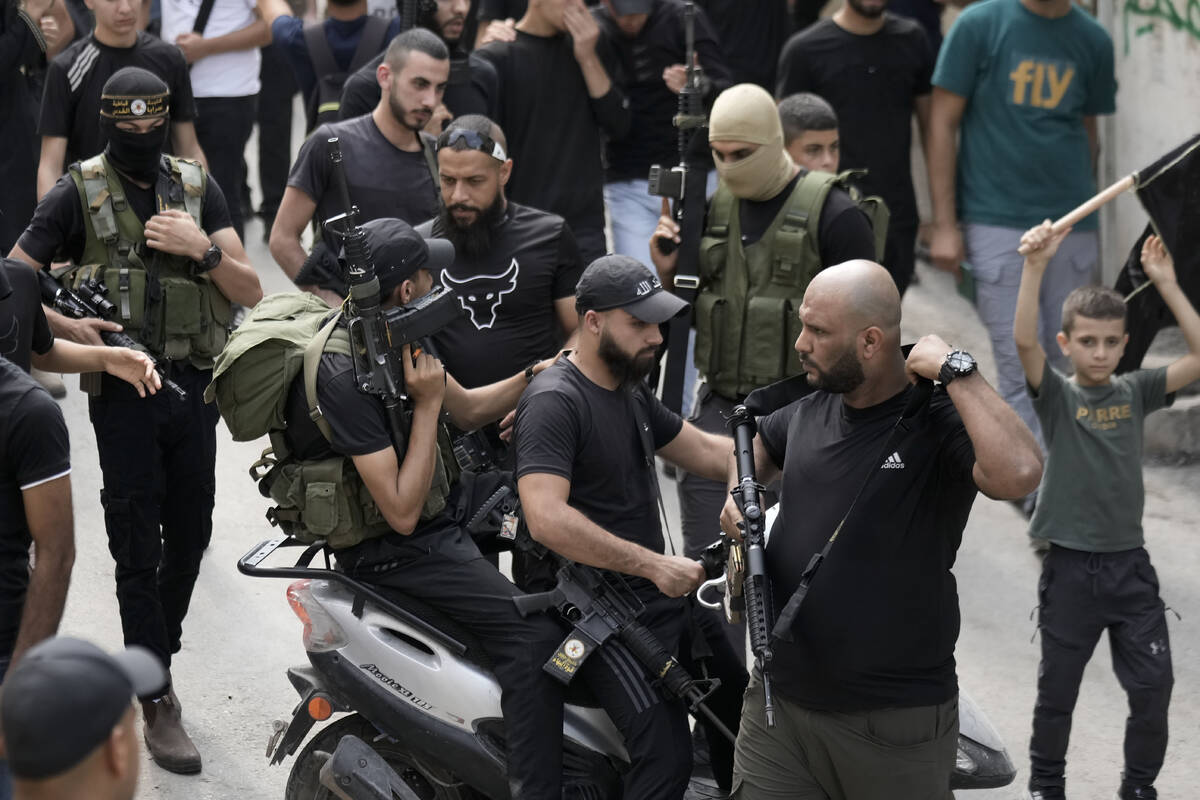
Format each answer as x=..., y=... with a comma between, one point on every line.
x=444, y=568
x=158, y=459
x=655, y=728
x=223, y=126
x=274, y=128
x=899, y=255
x=1081, y=596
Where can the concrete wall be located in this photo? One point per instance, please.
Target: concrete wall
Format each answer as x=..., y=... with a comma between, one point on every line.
x=1157, y=44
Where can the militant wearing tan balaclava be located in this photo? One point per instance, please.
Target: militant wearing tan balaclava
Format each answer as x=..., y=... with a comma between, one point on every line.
x=746, y=113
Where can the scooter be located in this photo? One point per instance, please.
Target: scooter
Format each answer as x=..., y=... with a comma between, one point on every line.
x=418, y=690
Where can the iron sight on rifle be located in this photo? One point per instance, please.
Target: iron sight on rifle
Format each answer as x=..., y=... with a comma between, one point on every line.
x=91, y=301
x=756, y=588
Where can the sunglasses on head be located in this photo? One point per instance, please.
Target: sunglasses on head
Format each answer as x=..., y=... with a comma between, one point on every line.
x=473, y=141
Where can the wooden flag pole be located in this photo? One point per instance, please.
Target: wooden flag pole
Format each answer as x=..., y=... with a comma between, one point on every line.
x=1074, y=216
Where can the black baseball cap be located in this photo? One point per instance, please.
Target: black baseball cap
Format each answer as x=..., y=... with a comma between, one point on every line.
x=64, y=697
x=623, y=7
x=616, y=281
x=399, y=251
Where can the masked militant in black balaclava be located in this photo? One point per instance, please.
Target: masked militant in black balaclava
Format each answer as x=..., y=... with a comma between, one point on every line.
x=133, y=94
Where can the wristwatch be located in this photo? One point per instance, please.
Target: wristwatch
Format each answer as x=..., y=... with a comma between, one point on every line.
x=209, y=261
x=958, y=364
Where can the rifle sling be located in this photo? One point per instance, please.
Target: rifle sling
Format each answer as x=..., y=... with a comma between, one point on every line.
x=646, y=437
x=917, y=401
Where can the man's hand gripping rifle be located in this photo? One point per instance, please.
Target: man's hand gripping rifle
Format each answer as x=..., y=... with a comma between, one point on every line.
x=756, y=587
x=602, y=607
x=376, y=335
x=91, y=301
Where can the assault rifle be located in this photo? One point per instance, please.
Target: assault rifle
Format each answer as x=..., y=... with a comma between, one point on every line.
x=755, y=586
x=91, y=301
x=602, y=607
x=686, y=185
x=377, y=336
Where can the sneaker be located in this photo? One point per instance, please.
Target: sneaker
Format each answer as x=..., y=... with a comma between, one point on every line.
x=168, y=742
x=51, y=383
x=1128, y=792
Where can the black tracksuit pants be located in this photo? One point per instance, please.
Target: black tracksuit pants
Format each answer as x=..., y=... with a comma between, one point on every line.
x=1082, y=595
x=158, y=458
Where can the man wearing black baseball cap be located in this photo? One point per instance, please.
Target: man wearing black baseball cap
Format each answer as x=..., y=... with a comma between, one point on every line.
x=587, y=431
x=67, y=718
x=411, y=540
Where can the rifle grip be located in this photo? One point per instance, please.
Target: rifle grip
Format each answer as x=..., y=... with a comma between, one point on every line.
x=532, y=603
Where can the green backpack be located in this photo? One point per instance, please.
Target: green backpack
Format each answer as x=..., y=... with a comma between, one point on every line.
x=284, y=334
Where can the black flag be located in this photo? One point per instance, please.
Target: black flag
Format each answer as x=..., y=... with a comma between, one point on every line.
x=1170, y=192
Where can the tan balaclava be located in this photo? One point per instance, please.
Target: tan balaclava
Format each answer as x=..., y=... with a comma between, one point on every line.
x=746, y=113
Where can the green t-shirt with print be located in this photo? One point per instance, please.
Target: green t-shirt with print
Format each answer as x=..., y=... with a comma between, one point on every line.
x=1029, y=82
x=1091, y=496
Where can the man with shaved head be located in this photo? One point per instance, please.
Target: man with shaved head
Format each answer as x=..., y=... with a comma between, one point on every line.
x=865, y=694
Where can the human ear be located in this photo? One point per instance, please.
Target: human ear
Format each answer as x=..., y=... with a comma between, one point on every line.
x=505, y=172
x=1063, y=342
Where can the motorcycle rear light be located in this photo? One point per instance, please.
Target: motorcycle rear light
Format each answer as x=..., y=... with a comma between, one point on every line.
x=319, y=708
x=321, y=632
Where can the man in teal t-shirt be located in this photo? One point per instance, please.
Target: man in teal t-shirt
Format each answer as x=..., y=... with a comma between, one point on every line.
x=1023, y=81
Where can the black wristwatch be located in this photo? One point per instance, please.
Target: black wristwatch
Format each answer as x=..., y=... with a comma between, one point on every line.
x=958, y=364
x=209, y=261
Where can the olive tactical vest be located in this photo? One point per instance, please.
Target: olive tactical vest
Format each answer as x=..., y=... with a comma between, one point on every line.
x=160, y=302
x=746, y=311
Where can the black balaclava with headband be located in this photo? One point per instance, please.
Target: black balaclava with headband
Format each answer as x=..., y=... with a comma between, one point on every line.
x=131, y=94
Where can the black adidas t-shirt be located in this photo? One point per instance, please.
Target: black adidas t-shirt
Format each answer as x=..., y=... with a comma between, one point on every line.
x=568, y=426
x=879, y=624
x=34, y=449
x=383, y=180
x=23, y=326
x=508, y=296
x=58, y=231
x=74, y=80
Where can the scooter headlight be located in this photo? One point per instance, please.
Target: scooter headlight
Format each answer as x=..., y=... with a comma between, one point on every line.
x=321, y=631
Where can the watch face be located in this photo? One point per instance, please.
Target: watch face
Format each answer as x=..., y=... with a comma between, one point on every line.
x=960, y=363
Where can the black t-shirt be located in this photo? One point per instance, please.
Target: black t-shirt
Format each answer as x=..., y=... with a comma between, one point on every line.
x=71, y=103
x=640, y=61
x=58, y=229
x=508, y=296
x=502, y=9
x=34, y=449
x=361, y=92
x=878, y=626
x=23, y=326
x=872, y=83
x=751, y=33
x=554, y=128
x=568, y=426
x=384, y=181
x=843, y=230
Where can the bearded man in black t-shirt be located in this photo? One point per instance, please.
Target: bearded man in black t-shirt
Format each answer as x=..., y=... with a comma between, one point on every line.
x=866, y=699
x=515, y=268
x=587, y=487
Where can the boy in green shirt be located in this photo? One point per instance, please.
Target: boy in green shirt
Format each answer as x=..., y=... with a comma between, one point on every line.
x=1097, y=574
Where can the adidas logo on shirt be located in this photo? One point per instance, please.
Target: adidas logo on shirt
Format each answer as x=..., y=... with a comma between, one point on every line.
x=893, y=462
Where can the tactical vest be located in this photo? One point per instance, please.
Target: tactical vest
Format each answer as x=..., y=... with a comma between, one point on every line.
x=321, y=498
x=159, y=301
x=746, y=311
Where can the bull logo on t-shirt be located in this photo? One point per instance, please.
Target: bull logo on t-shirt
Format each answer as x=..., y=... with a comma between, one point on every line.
x=482, y=295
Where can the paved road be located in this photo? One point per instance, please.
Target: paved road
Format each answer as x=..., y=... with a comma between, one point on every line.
x=240, y=635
